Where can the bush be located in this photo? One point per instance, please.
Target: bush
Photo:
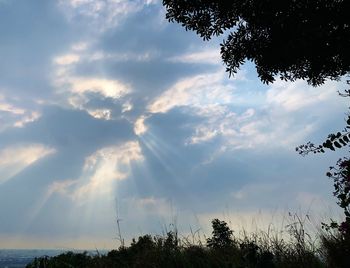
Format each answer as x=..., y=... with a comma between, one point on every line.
x=259, y=250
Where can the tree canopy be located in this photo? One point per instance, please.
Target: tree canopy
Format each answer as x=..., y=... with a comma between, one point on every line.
x=305, y=39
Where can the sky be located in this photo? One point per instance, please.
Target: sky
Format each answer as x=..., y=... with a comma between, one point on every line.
x=109, y=112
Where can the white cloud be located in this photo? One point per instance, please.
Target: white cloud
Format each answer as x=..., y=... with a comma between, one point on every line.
x=198, y=91
x=203, y=134
x=102, y=14
x=7, y=107
x=67, y=59
x=105, y=114
x=119, y=57
x=100, y=170
x=292, y=96
x=273, y=122
x=210, y=97
x=76, y=90
x=127, y=106
x=252, y=128
x=106, y=87
x=139, y=126
x=18, y=116
x=209, y=56
x=14, y=159
x=242, y=130
x=28, y=118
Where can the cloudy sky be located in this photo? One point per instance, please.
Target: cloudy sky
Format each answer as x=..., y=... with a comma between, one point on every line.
x=108, y=111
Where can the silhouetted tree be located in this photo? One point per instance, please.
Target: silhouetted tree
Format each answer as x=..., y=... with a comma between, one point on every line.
x=293, y=39
x=302, y=39
x=340, y=174
x=221, y=235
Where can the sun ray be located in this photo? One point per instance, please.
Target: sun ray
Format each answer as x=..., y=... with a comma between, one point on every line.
x=167, y=155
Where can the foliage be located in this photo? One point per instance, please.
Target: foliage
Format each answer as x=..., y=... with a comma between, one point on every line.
x=293, y=39
x=336, y=242
x=336, y=249
x=339, y=174
x=222, y=235
x=341, y=177
x=68, y=259
x=222, y=250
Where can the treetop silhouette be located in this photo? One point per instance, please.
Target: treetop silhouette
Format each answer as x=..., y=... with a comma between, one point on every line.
x=292, y=39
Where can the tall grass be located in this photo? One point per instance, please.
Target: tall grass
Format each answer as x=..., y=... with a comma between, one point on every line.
x=291, y=247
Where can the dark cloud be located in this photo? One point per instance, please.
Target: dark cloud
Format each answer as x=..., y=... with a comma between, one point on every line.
x=74, y=135
x=69, y=130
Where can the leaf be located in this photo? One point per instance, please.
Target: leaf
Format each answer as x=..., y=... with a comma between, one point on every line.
x=332, y=137
x=342, y=142
x=328, y=144
x=336, y=144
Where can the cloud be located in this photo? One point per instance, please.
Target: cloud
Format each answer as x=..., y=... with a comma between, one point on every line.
x=102, y=15
x=197, y=91
x=15, y=158
x=7, y=107
x=216, y=101
x=79, y=85
x=67, y=59
x=28, y=118
x=297, y=95
x=209, y=56
x=221, y=121
x=106, y=87
x=119, y=57
x=12, y=115
x=139, y=109
x=81, y=92
x=100, y=170
x=74, y=133
x=100, y=113
x=139, y=126
x=273, y=121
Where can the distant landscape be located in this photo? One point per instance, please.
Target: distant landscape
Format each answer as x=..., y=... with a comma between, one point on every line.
x=16, y=258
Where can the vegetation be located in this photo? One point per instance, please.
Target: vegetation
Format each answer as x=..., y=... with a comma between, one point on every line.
x=336, y=244
x=222, y=249
x=306, y=40
x=293, y=39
